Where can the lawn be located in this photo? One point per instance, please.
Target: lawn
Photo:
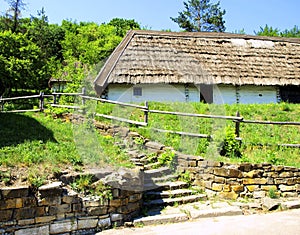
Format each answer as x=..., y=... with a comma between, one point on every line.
x=36, y=147
x=259, y=142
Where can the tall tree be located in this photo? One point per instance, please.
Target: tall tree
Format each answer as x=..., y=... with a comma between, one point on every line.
x=16, y=6
x=123, y=25
x=268, y=31
x=21, y=64
x=275, y=32
x=201, y=15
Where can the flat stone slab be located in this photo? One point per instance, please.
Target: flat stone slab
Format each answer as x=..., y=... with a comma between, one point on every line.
x=154, y=145
x=291, y=204
x=224, y=211
x=161, y=219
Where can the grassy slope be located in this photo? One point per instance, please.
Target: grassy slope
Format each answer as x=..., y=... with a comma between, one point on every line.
x=254, y=136
x=34, y=146
x=37, y=146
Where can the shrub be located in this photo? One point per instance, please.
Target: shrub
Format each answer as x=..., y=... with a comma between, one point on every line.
x=231, y=146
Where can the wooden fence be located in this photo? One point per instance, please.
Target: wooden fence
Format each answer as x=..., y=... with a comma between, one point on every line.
x=146, y=110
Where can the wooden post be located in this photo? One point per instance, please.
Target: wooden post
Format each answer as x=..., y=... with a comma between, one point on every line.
x=2, y=104
x=146, y=113
x=42, y=101
x=54, y=99
x=237, y=125
x=83, y=100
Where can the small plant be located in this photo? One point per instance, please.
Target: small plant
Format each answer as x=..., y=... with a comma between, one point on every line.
x=35, y=178
x=231, y=146
x=84, y=184
x=5, y=177
x=273, y=193
x=139, y=141
x=186, y=177
x=166, y=158
x=187, y=212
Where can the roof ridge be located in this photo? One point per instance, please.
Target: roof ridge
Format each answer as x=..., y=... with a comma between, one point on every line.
x=225, y=35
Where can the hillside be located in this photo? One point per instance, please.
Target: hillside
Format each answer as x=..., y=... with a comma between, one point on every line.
x=36, y=147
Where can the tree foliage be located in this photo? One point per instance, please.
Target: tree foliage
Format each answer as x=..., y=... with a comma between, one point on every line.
x=32, y=51
x=201, y=15
x=21, y=63
x=123, y=25
x=275, y=32
x=14, y=12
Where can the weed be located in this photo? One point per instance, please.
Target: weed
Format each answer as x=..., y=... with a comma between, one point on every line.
x=273, y=193
x=84, y=184
x=35, y=178
x=176, y=204
x=5, y=177
x=187, y=212
x=231, y=146
x=186, y=177
x=166, y=158
x=139, y=140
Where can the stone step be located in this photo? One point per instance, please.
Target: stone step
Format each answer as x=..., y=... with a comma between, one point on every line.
x=164, y=186
x=166, y=178
x=149, y=159
x=160, y=219
x=152, y=166
x=173, y=201
x=159, y=172
x=168, y=194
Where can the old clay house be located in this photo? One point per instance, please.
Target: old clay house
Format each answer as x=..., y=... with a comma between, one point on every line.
x=208, y=67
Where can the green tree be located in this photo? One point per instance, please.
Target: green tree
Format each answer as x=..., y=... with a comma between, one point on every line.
x=14, y=13
x=47, y=36
x=84, y=46
x=201, y=15
x=292, y=33
x=123, y=25
x=268, y=31
x=22, y=66
x=275, y=32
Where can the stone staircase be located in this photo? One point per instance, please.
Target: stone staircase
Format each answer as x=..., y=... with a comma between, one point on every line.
x=162, y=184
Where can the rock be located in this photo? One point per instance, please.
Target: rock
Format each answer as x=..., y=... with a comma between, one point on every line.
x=228, y=172
x=14, y=192
x=270, y=204
x=284, y=188
x=259, y=194
x=228, y=195
x=291, y=204
x=253, y=174
x=255, y=181
x=154, y=145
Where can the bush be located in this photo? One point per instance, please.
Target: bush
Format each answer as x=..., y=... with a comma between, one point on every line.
x=231, y=146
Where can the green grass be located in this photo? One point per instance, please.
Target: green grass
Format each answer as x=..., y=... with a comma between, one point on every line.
x=40, y=146
x=259, y=141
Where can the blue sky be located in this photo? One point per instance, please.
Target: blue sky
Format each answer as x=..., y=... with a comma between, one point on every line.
x=155, y=14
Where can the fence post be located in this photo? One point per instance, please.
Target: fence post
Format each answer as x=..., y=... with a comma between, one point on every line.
x=54, y=98
x=2, y=104
x=83, y=99
x=41, y=101
x=146, y=113
x=237, y=125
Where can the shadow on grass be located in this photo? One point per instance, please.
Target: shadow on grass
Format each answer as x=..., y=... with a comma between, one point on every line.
x=16, y=129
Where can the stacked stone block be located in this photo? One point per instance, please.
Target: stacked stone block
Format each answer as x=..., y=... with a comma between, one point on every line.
x=55, y=209
x=231, y=181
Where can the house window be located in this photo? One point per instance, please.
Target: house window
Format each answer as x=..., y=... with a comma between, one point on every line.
x=137, y=91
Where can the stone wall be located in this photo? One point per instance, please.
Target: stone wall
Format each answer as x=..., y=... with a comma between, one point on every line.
x=56, y=209
x=230, y=181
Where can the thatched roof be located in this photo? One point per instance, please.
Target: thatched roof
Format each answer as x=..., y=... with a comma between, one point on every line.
x=209, y=58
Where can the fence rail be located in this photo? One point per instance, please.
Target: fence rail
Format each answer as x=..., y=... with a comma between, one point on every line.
x=146, y=110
